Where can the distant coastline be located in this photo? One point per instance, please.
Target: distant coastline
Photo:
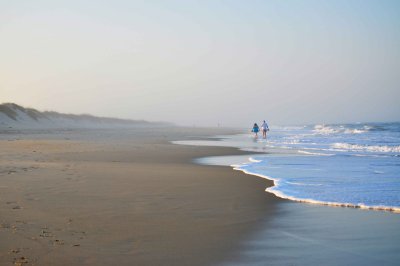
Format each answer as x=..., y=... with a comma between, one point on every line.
x=14, y=116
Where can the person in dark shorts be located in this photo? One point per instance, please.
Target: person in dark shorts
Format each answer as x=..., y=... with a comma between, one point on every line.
x=255, y=129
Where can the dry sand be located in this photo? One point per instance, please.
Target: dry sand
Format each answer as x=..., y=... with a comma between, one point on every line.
x=123, y=198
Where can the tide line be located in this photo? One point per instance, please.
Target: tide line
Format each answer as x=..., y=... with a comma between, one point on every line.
x=279, y=194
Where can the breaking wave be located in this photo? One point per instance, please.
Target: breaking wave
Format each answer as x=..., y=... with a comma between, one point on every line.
x=275, y=189
x=365, y=148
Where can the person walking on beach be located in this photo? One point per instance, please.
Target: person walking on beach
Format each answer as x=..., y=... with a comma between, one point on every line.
x=255, y=130
x=265, y=128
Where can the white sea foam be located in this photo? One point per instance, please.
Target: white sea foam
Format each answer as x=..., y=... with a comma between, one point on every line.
x=354, y=131
x=291, y=142
x=379, y=172
x=275, y=190
x=315, y=153
x=251, y=159
x=324, y=130
x=373, y=148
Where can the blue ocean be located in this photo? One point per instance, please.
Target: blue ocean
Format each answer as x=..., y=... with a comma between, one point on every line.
x=355, y=165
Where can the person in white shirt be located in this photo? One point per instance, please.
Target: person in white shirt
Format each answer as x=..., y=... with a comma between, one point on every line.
x=265, y=128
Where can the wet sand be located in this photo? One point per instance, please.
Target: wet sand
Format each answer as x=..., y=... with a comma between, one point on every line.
x=312, y=234
x=123, y=197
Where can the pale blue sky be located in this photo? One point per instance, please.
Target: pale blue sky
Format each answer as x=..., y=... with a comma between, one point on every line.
x=204, y=62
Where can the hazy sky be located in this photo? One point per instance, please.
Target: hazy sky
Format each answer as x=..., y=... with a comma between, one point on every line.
x=204, y=62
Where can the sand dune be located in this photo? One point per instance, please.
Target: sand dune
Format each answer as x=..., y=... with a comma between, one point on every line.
x=16, y=116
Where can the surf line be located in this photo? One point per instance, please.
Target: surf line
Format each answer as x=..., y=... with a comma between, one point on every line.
x=311, y=201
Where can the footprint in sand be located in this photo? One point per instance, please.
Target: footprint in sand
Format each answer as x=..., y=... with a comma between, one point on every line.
x=20, y=261
x=45, y=233
x=16, y=207
x=58, y=242
x=15, y=251
x=5, y=225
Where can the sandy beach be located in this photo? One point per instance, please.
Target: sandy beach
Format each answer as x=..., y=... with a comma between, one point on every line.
x=123, y=197
x=221, y=133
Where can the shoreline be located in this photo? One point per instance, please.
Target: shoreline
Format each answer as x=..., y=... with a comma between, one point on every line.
x=342, y=236
x=281, y=195
x=275, y=182
x=125, y=197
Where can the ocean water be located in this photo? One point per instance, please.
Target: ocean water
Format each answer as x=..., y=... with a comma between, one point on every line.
x=355, y=165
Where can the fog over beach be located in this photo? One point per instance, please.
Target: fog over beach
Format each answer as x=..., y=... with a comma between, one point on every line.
x=200, y=132
x=294, y=62
x=13, y=116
